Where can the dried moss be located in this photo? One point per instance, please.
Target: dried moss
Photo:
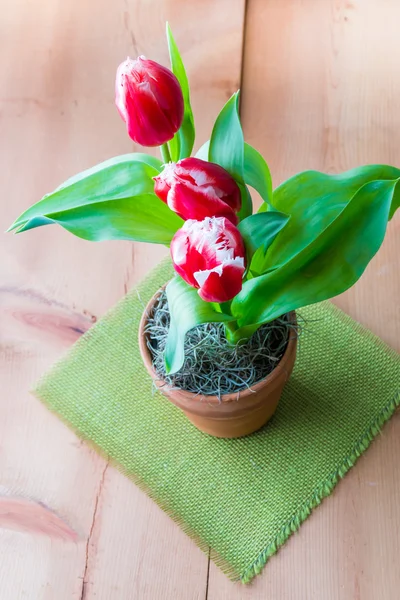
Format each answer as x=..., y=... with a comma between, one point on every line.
x=213, y=366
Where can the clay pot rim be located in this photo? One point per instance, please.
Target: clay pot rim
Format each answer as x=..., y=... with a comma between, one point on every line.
x=234, y=396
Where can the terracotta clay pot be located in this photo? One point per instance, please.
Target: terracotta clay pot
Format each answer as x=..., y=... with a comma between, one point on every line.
x=234, y=415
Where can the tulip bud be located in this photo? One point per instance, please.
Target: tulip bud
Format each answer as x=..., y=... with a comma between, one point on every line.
x=149, y=99
x=196, y=189
x=210, y=256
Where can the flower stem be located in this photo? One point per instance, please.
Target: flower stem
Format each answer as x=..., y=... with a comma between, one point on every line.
x=226, y=307
x=230, y=329
x=166, y=156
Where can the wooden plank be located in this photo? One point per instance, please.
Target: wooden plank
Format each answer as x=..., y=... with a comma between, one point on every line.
x=70, y=526
x=320, y=91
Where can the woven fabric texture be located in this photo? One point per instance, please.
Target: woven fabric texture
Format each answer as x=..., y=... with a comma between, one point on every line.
x=244, y=497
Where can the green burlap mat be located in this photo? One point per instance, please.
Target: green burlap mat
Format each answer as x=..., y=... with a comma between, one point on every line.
x=242, y=498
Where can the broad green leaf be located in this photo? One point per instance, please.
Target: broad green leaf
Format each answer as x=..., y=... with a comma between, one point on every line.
x=123, y=159
x=257, y=174
x=181, y=144
x=314, y=200
x=259, y=231
x=226, y=148
x=227, y=143
x=203, y=151
x=187, y=310
x=247, y=204
x=330, y=263
x=120, y=177
x=142, y=218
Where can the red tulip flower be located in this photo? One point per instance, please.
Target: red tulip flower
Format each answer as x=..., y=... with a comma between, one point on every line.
x=196, y=189
x=210, y=256
x=149, y=99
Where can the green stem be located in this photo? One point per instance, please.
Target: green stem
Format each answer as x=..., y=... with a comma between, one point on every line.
x=230, y=328
x=166, y=156
x=226, y=307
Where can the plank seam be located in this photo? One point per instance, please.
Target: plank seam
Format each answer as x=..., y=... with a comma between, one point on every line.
x=87, y=552
x=243, y=49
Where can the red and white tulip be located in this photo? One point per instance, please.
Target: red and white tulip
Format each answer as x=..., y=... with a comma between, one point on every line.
x=150, y=101
x=196, y=189
x=210, y=256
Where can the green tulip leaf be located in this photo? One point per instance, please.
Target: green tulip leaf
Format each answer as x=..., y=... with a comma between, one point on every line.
x=326, y=259
x=116, y=171
x=314, y=200
x=142, y=218
x=257, y=174
x=227, y=143
x=226, y=148
x=120, y=177
x=181, y=145
x=203, y=151
x=259, y=231
x=187, y=310
x=247, y=204
x=113, y=200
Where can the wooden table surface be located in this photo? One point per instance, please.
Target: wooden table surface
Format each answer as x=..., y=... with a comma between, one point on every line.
x=320, y=84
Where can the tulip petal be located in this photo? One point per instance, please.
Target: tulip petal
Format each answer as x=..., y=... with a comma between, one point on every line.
x=204, y=174
x=150, y=101
x=164, y=181
x=191, y=202
x=210, y=255
x=196, y=189
x=186, y=258
x=221, y=283
x=147, y=123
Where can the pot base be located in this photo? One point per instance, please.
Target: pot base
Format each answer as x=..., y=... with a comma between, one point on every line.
x=235, y=427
